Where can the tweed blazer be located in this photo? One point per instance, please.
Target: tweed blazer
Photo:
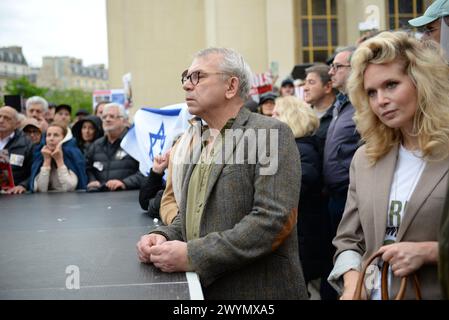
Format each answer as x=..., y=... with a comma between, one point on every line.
x=364, y=220
x=248, y=246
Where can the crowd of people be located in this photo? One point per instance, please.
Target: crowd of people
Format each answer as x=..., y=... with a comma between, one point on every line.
x=48, y=152
x=299, y=192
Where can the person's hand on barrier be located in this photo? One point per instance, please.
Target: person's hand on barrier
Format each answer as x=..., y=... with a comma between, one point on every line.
x=115, y=185
x=160, y=162
x=407, y=257
x=170, y=256
x=145, y=243
x=16, y=190
x=93, y=184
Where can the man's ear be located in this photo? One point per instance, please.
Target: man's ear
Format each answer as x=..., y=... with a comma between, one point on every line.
x=233, y=87
x=328, y=87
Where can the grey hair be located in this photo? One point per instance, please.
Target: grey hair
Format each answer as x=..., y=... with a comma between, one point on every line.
x=120, y=107
x=232, y=64
x=350, y=49
x=37, y=100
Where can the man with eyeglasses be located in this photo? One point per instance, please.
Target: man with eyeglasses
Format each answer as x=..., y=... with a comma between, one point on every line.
x=109, y=167
x=342, y=140
x=431, y=21
x=236, y=226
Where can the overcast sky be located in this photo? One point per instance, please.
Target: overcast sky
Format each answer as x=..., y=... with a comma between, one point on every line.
x=75, y=28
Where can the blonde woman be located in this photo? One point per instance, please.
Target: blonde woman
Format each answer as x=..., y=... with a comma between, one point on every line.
x=302, y=120
x=398, y=179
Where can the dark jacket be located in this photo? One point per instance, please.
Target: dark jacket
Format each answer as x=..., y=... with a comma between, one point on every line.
x=321, y=133
x=150, y=194
x=310, y=216
x=341, y=143
x=20, y=150
x=107, y=161
x=76, y=130
x=73, y=159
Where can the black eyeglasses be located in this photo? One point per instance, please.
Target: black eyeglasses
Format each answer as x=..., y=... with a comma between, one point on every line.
x=337, y=66
x=195, y=76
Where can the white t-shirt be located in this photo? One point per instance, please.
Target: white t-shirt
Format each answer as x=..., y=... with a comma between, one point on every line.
x=409, y=167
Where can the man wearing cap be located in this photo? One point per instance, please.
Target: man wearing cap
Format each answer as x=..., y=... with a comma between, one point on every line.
x=431, y=20
x=32, y=130
x=63, y=113
x=80, y=114
x=287, y=88
x=17, y=147
x=266, y=104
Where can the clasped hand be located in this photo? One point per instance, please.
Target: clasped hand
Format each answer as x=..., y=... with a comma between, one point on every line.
x=169, y=256
x=56, y=154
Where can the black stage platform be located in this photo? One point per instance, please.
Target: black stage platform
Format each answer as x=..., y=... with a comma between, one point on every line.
x=46, y=238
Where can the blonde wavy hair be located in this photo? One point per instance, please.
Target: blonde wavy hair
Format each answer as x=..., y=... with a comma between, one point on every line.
x=298, y=115
x=427, y=68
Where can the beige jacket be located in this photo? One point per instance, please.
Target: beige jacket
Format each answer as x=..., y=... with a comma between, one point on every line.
x=363, y=225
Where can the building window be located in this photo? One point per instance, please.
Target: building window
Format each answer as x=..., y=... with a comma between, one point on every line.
x=401, y=11
x=319, y=29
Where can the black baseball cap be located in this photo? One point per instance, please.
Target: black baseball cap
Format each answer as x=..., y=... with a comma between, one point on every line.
x=64, y=106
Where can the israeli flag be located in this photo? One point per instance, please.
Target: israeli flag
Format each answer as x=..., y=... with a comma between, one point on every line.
x=153, y=132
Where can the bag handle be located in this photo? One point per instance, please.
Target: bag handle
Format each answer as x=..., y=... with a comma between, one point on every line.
x=384, y=282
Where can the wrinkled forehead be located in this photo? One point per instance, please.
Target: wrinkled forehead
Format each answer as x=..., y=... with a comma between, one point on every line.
x=111, y=110
x=6, y=112
x=36, y=106
x=210, y=62
x=342, y=57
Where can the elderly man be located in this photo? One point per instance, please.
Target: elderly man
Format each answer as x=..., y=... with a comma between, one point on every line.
x=18, y=148
x=109, y=167
x=236, y=226
x=431, y=20
x=37, y=107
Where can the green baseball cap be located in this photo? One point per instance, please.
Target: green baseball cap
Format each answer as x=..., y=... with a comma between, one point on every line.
x=438, y=9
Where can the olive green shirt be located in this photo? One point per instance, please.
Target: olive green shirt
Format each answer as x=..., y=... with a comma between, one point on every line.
x=196, y=193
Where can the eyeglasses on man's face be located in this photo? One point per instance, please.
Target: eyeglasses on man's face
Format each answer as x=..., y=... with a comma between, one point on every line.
x=338, y=66
x=195, y=76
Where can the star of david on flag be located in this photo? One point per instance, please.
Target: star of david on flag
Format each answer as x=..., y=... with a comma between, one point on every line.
x=153, y=131
x=155, y=138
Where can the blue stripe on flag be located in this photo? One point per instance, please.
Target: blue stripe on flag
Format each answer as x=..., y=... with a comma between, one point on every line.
x=163, y=112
